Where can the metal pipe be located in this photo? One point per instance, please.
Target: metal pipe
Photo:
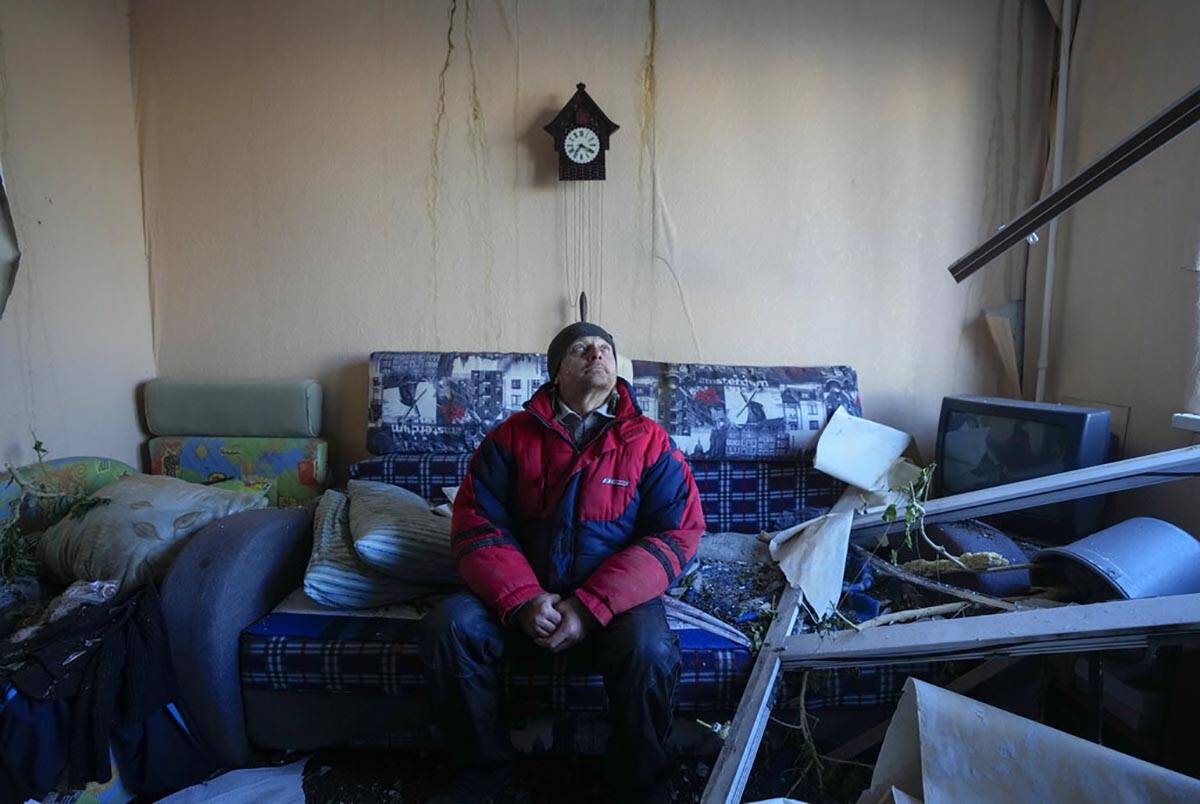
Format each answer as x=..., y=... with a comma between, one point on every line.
x=1060, y=126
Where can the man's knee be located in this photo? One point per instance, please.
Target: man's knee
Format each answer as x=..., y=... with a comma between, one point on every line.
x=460, y=626
x=657, y=653
x=645, y=651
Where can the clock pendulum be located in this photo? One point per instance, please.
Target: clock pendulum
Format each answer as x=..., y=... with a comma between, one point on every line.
x=581, y=133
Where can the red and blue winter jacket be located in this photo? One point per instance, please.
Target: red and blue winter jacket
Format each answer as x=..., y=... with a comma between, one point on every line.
x=612, y=522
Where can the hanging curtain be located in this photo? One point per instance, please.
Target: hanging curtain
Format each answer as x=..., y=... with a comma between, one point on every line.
x=10, y=255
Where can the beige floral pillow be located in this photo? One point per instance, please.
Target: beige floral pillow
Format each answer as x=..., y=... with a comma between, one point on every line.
x=130, y=530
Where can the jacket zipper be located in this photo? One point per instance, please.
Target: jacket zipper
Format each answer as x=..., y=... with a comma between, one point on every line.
x=574, y=523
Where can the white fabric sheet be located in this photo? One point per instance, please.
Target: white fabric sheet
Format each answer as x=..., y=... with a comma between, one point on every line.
x=859, y=451
x=943, y=747
x=282, y=785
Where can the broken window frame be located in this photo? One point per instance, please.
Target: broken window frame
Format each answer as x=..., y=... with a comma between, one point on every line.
x=1120, y=624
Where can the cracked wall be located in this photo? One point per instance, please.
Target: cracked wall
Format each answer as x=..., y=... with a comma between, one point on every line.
x=75, y=338
x=788, y=185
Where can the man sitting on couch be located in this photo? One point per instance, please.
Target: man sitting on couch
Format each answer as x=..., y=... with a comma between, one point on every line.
x=575, y=516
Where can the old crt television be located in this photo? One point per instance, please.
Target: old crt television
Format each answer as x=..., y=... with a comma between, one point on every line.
x=989, y=441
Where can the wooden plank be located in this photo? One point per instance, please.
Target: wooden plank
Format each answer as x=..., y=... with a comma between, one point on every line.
x=963, y=684
x=728, y=779
x=915, y=614
x=1097, y=626
x=1145, y=470
x=1186, y=421
x=887, y=568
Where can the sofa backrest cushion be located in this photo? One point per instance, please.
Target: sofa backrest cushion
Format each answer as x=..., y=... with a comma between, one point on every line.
x=446, y=402
x=276, y=408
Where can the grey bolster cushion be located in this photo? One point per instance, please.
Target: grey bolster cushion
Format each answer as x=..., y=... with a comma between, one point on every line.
x=264, y=408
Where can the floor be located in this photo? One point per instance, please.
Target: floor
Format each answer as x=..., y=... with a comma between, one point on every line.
x=407, y=777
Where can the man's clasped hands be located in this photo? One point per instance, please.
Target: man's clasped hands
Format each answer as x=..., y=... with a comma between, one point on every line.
x=554, y=623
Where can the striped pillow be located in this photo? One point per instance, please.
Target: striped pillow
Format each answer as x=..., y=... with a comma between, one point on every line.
x=335, y=577
x=395, y=533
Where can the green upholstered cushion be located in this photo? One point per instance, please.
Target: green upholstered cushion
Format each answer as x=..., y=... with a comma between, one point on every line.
x=295, y=467
x=280, y=408
x=130, y=530
x=74, y=478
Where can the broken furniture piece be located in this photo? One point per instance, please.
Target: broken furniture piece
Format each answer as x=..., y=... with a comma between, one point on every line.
x=1093, y=627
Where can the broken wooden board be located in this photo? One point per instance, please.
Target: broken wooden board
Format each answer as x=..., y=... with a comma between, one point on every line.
x=920, y=581
x=1112, y=625
x=1145, y=470
x=728, y=779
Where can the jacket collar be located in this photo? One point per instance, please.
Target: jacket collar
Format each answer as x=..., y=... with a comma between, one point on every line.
x=541, y=404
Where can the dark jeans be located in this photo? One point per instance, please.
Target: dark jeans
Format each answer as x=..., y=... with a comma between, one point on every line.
x=463, y=647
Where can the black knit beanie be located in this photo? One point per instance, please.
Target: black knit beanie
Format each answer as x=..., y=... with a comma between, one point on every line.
x=570, y=334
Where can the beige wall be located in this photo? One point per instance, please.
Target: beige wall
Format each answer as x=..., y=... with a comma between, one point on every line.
x=789, y=182
x=76, y=337
x=1125, y=312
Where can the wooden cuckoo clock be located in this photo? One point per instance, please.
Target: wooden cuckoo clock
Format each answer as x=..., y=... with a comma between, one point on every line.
x=581, y=133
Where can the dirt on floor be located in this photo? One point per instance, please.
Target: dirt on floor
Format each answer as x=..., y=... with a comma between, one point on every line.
x=409, y=777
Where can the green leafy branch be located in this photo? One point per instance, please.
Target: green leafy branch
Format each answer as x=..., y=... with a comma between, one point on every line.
x=916, y=496
x=16, y=557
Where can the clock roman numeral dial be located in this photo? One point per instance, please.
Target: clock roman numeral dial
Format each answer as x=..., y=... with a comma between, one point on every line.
x=581, y=145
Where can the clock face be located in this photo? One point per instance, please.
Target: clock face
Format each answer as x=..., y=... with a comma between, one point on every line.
x=581, y=145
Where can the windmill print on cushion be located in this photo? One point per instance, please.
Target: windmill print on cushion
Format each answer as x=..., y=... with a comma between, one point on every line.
x=446, y=402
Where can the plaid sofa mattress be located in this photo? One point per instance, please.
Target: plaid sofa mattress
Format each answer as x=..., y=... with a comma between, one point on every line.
x=737, y=496
x=322, y=653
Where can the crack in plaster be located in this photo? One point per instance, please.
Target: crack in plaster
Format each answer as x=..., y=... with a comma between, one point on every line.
x=475, y=206
x=643, y=281
x=663, y=224
x=434, y=181
x=513, y=30
x=649, y=98
x=479, y=208
x=662, y=230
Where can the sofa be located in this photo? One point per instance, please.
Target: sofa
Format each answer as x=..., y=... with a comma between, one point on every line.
x=263, y=668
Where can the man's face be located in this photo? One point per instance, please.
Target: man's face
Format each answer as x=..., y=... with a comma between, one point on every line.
x=589, y=365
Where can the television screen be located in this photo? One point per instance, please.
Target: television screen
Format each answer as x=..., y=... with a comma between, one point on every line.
x=986, y=441
x=983, y=450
